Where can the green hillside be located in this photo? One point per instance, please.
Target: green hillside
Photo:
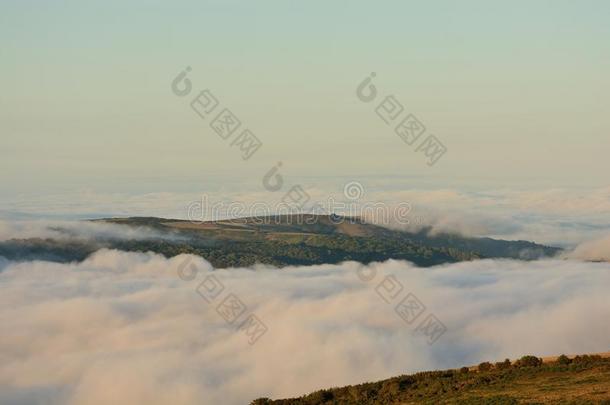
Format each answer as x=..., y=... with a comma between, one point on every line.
x=281, y=241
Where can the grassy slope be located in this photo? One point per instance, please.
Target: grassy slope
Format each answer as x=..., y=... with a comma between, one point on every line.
x=580, y=380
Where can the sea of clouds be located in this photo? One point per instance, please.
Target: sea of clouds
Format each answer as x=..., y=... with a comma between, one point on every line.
x=64, y=230
x=554, y=216
x=125, y=328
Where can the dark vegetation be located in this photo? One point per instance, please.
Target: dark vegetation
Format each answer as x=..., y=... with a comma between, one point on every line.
x=529, y=380
x=46, y=249
x=281, y=241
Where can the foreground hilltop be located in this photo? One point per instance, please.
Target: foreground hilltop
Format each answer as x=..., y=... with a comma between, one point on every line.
x=530, y=380
x=280, y=241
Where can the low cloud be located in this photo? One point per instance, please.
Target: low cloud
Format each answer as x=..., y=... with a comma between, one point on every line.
x=78, y=230
x=596, y=250
x=124, y=328
x=559, y=217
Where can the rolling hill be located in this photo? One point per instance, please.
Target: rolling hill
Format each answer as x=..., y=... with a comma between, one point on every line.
x=280, y=241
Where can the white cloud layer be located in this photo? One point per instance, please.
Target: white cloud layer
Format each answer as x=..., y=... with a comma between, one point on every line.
x=596, y=249
x=124, y=328
x=77, y=230
x=562, y=217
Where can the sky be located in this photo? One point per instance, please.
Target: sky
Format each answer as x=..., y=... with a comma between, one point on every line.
x=515, y=91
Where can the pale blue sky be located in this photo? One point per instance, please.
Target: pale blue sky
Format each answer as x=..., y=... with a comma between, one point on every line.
x=517, y=91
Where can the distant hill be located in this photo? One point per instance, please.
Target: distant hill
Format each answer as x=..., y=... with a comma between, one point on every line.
x=530, y=380
x=282, y=241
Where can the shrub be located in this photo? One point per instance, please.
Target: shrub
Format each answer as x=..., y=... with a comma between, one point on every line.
x=405, y=382
x=503, y=365
x=563, y=359
x=261, y=401
x=529, y=361
x=390, y=388
x=485, y=366
x=353, y=391
x=320, y=397
x=587, y=359
x=464, y=370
